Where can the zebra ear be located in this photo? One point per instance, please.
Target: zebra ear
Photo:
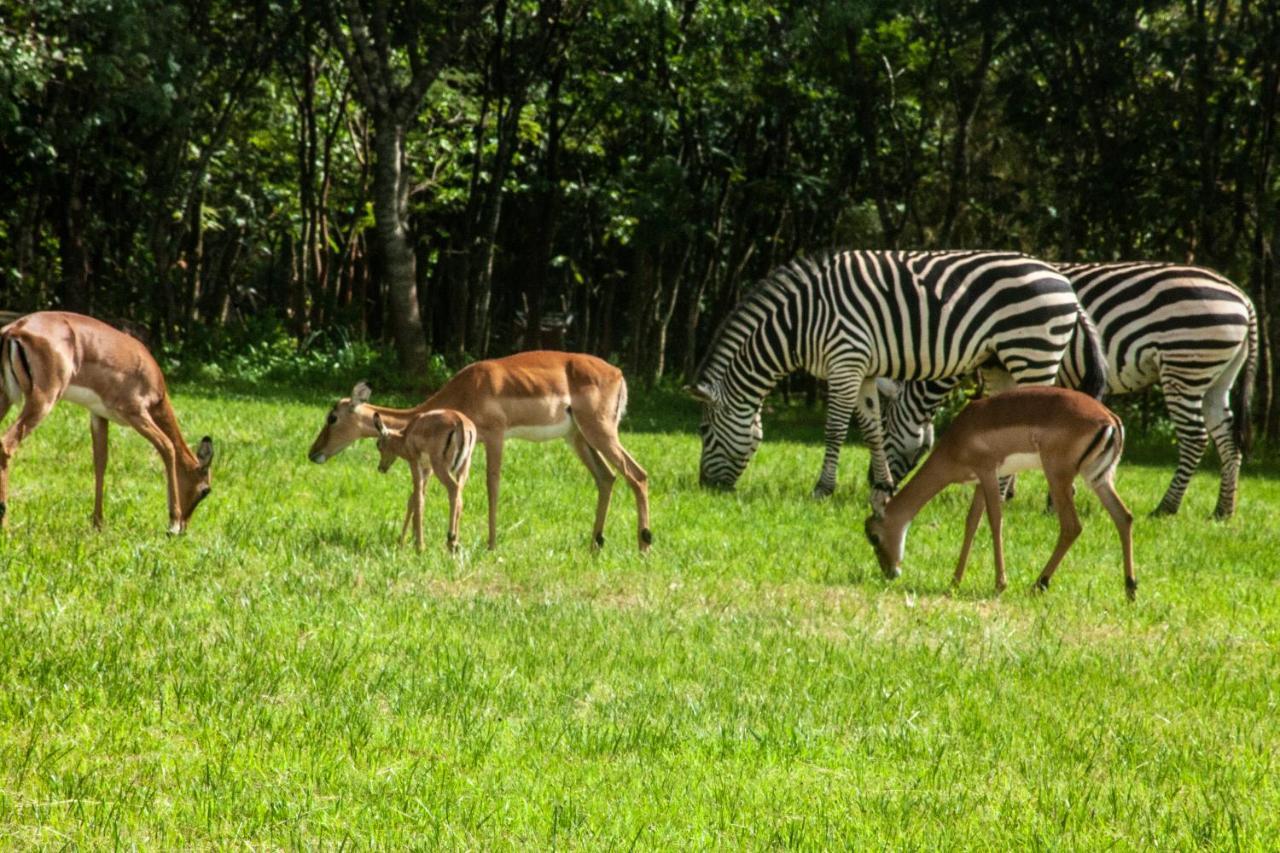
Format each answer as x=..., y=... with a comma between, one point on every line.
x=889, y=388
x=702, y=392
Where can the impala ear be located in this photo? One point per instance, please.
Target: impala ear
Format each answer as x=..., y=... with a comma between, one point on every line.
x=360, y=393
x=380, y=426
x=204, y=453
x=702, y=392
x=879, y=500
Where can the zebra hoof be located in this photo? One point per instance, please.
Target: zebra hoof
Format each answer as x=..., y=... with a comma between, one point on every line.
x=822, y=491
x=1223, y=514
x=1163, y=511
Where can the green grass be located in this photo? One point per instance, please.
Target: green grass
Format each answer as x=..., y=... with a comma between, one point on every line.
x=285, y=676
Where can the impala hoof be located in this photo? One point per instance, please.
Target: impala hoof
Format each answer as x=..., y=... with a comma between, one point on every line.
x=646, y=537
x=598, y=542
x=1041, y=585
x=1131, y=589
x=3, y=511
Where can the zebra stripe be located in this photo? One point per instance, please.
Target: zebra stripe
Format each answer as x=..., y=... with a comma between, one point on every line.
x=1186, y=329
x=849, y=317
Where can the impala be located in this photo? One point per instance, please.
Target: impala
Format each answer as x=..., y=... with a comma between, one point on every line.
x=1063, y=432
x=442, y=439
x=55, y=355
x=539, y=395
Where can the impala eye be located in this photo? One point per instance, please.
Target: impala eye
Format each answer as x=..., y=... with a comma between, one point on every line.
x=333, y=419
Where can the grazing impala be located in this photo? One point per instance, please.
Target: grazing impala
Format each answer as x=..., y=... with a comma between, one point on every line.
x=55, y=355
x=537, y=395
x=442, y=439
x=1063, y=432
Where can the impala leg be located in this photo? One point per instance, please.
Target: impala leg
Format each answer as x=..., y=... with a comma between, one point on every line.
x=605, y=442
x=1063, y=491
x=408, y=517
x=990, y=487
x=1106, y=491
x=970, y=528
x=492, y=474
x=604, y=483
x=34, y=409
x=152, y=433
x=455, y=485
x=454, y=490
x=419, y=491
x=98, y=430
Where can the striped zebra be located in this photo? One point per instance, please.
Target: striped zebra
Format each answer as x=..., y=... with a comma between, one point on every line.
x=849, y=317
x=1185, y=328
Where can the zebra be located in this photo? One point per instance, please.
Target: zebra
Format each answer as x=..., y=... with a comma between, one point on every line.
x=1185, y=328
x=849, y=317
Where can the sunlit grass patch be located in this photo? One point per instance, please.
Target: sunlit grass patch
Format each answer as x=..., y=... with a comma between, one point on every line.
x=284, y=675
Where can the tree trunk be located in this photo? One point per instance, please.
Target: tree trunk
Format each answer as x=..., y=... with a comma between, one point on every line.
x=398, y=266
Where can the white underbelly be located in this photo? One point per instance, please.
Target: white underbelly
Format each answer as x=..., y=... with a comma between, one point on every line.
x=89, y=399
x=1015, y=462
x=542, y=432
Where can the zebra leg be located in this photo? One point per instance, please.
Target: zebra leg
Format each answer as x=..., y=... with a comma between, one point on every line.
x=842, y=400
x=1188, y=423
x=871, y=425
x=1218, y=419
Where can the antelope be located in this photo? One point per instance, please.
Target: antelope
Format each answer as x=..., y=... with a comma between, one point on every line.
x=56, y=355
x=1063, y=432
x=539, y=396
x=442, y=439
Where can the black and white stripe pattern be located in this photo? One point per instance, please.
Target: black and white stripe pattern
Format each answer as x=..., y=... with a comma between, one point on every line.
x=850, y=317
x=1186, y=329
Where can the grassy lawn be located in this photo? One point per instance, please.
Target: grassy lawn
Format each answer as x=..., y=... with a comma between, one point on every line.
x=285, y=676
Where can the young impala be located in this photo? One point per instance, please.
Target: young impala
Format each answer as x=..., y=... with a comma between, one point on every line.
x=55, y=355
x=537, y=395
x=442, y=439
x=1063, y=432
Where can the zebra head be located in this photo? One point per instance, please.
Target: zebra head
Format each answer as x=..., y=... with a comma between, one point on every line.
x=730, y=435
x=908, y=431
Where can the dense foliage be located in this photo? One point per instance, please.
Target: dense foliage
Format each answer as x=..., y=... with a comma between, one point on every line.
x=444, y=173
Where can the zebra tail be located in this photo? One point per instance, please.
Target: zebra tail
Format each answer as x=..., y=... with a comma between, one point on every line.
x=1242, y=424
x=1093, y=376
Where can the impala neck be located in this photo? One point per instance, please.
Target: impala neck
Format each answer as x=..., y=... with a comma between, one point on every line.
x=396, y=419
x=931, y=478
x=164, y=417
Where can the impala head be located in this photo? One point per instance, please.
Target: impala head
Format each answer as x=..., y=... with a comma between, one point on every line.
x=193, y=484
x=386, y=441
x=730, y=435
x=888, y=544
x=342, y=425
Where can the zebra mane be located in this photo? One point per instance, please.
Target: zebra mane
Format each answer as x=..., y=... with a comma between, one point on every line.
x=740, y=321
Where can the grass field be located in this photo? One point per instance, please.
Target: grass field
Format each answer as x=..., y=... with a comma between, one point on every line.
x=285, y=676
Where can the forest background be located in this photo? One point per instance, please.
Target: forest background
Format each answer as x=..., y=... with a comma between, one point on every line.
x=242, y=180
